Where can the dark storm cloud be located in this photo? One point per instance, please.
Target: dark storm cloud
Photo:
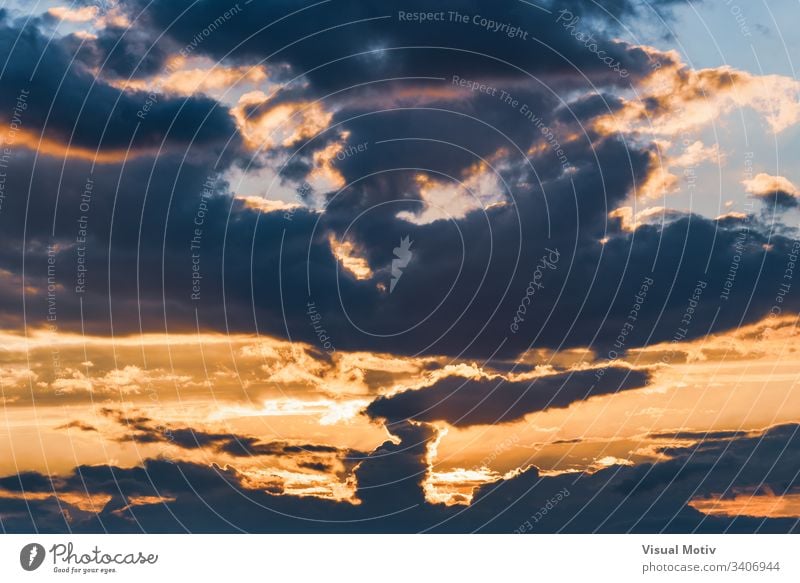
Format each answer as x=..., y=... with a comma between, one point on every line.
x=27, y=482
x=143, y=217
x=324, y=50
x=65, y=102
x=618, y=9
x=45, y=516
x=134, y=211
x=339, y=30
x=779, y=200
x=464, y=286
x=165, y=212
x=586, y=300
x=121, y=52
x=463, y=402
x=638, y=286
x=498, y=261
x=646, y=498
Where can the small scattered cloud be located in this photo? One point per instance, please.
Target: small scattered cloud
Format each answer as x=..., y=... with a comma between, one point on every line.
x=777, y=190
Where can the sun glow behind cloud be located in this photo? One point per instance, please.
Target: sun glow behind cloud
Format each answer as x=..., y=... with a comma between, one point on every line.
x=693, y=393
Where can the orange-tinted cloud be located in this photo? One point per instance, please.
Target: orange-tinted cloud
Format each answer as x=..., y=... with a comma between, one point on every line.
x=69, y=14
x=266, y=205
x=631, y=220
x=190, y=81
x=57, y=149
x=759, y=505
x=479, y=187
x=677, y=99
x=266, y=124
x=766, y=186
x=350, y=259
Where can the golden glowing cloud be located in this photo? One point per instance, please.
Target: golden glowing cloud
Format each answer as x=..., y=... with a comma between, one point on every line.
x=50, y=147
x=758, y=505
x=112, y=15
x=456, y=486
x=661, y=181
x=348, y=256
x=479, y=188
x=677, y=99
x=266, y=205
x=329, y=411
x=765, y=184
x=189, y=81
x=277, y=390
x=630, y=220
x=69, y=14
x=325, y=176
x=266, y=125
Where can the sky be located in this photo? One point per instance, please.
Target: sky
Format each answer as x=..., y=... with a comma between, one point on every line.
x=336, y=267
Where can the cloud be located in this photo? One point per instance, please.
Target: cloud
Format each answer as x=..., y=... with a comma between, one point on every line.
x=474, y=269
x=472, y=320
x=211, y=79
x=551, y=172
x=478, y=187
x=265, y=122
x=647, y=498
x=77, y=425
x=630, y=220
x=777, y=189
x=334, y=57
x=68, y=108
x=677, y=99
x=183, y=496
x=661, y=181
x=82, y=14
x=143, y=429
x=751, y=504
x=489, y=400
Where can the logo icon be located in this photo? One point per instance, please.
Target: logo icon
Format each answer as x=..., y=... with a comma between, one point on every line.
x=31, y=556
x=403, y=254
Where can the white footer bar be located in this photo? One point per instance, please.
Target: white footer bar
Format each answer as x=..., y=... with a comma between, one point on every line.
x=400, y=558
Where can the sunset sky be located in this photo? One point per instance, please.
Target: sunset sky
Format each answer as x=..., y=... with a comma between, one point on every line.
x=399, y=266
